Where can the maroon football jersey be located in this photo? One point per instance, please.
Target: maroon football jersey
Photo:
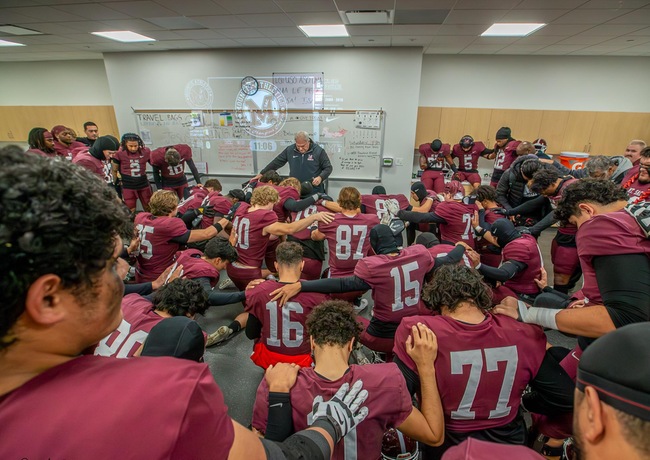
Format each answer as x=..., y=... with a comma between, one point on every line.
x=637, y=191
x=94, y=407
x=441, y=250
x=156, y=249
x=197, y=195
x=375, y=204
x=67, y=151
x=476, y=449
x=221, y=206
x=610, y=234
x=348, y=241
x=459, y=222
x=137, y=321
x=283, y=328
x=167, y=171
x=396, y=281
x=195, y=267
x=284, y=193
x=524, y=250
x=468, y=161
x=305, y=234
x=132, y=165
x=94, y=165
x=388, y=403
x=251, y=242
x=481, y=369
x=435, y=160
x=505, y=156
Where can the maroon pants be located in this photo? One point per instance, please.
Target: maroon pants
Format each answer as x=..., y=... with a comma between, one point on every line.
x=130, y=197
x=242, y=276
x=433, y=180
x=379, y=344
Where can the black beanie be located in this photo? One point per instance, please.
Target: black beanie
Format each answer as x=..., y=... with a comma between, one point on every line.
x=238, y=194
x=427, y=239
x=103, y=143
x=616, y=366
x=436, y=145
x=420, y=190
x=504, y=231
x=503, y=133
x=382, y=240
x=306, y=189
x=178, y=337
x=379, y=190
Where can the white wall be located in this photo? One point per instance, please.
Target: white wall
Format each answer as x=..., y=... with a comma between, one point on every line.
x=363, y=78
x=596, y=83
x=54, y=83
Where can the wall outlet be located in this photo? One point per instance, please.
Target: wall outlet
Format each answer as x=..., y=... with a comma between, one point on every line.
x=399, y=161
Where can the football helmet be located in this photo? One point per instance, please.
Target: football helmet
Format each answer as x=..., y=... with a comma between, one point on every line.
x=397, y=446
x=540, y=145
x=466, y=142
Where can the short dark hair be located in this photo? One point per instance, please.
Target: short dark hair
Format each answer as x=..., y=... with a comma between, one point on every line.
x=272, y=177
x=598, y=191
x=220, y=247
x=289, y=253
x=544, y=178
x=529, y=167
x=635, y=430
x=453, y=284
x=181, y=297
x=89, y=123
x=55, y=218
x=333, y=322
x=597, y=165
x=213, y=184
x=645, y=153
x=172, y=157
x=486, y=192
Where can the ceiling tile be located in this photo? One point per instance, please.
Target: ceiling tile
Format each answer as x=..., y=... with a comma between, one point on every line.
x=453, y=29
x=550, y=4
x=43, y=13
x=520, y=49
x=371, y=41
x=560, y=49
x=163, y=35
x=426, y=4
x=347, y=5
x=540, y=40
x=141, y=9
x=93, y=11
x=135, y=25
x=199, y=34
x=485, y=4
x=477, y=48
x=627, y=40
x=536, y=16
x=9, y=17
x=645, y=48
x=293, y=41
x=414, y=29
x=219, y=22
x=266, y=20
x=441, y=50
x=256, y=41
x=12, y=3
x=641, y=16
x=182, y=44
x=363, y=30
x=611, y=30
x=332, y=41
x=175, y=23
x=452, y=40
x=221, y=43
x=590, y=16
x=494, y=41
x=429, y=16
x=249, y=6
x=193, y=7
x=241, y=33
x=620, y=3
x=281, y=32
x=315, y=18
x=486, y=17
x=81, y=26
x=297, y=6
x=604, y=49
x=411, y=41
x=564, y=29
x=645, y=31
x=582, y=40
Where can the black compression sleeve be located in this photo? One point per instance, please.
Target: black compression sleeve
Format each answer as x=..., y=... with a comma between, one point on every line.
x=156, y=177
x=279, y=424
x=552, y=389
x=529, y=206
x=304, y=445
x=253, y=329
x=195, y=172
x=546, y=222
x=337, y=285
x=453, y=257
x=225, y=298
x=486, y=226
x=142, y=288
x=189, y=216
x=412, y=379
x=504, y=272
x=296, y=206
x=420, y=217
x=624, y=283
x=182, y=239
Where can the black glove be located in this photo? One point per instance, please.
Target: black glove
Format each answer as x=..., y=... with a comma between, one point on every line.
x=324, y=196
x=502, y=211
x=343, y=411
x=207, y=211
x=232, y=211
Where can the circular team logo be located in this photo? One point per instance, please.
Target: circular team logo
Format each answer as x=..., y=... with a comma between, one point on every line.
x=263, y=113
x=198, y=94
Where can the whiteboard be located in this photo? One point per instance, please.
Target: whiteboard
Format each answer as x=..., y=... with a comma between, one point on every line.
x=228, y=149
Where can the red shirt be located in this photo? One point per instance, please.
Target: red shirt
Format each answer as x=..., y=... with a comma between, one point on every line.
x=283, y=328
x=94, y=407
x=468, y=161
x=459, y=222
x=481, y=369
x=175, y=174
x=388, y=403
x=396, y=281
x=138, y=320
x=348, y=240
x=525, y=250
x=251, y=242
x=156, y=248
x=375, y=204
x=196, y=267
x=94, y=165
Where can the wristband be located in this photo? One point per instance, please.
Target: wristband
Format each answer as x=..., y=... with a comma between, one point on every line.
x=218, y=227
x=315, y=197
x=327, y=423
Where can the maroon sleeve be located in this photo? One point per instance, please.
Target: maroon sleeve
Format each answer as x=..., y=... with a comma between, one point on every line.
x=158, y=157
x=604, y=236
x=185, y=151
x=175, y=227
x=362, y=270
x=445, y=150
x=261, y=407
x=206, y=418
x=401, y=334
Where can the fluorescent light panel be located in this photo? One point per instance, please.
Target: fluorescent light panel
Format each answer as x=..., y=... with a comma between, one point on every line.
x=511, y=30
x=325, y=30
x=15, y=30
x=125, y=36
x=6, y=43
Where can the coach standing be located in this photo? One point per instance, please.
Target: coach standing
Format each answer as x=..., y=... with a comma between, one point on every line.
x=307, y=161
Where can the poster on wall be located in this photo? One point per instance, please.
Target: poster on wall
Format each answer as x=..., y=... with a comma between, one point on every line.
x=302, y=90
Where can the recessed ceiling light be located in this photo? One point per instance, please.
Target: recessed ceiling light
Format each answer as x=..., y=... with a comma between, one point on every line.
x=511, y=30
x=15, y=30
x=331, y=30
x=6, y=43
x=125, y=36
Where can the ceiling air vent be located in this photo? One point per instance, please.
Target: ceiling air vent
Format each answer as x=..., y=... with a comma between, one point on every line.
x=369, y=16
